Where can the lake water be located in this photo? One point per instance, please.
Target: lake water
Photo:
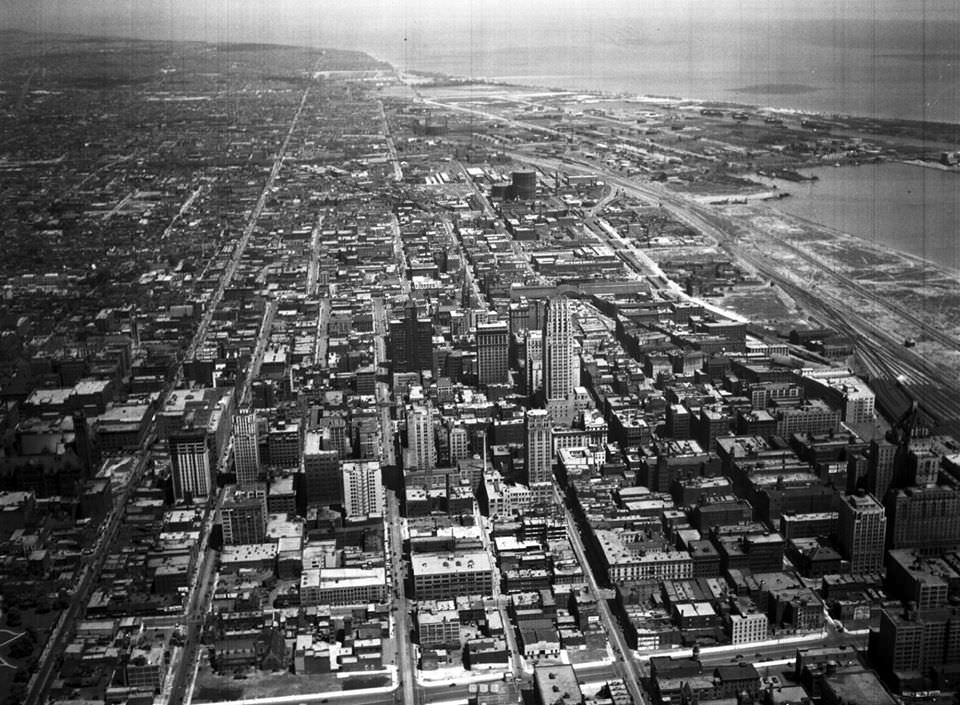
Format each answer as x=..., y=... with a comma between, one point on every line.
x=909, y=208
x=881, y=70
x=881, y=58
x=878, y=58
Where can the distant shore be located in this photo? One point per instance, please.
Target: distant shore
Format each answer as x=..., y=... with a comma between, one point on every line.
x=688, y=102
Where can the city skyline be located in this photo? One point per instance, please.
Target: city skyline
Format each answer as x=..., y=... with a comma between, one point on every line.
x=328, y=379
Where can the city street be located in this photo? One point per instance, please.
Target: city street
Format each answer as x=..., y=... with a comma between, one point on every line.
x=405, y=661
x=624, y=666
x=179, y=675
x=40, y=681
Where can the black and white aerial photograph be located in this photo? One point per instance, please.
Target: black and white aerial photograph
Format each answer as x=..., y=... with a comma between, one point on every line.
x=479, y=352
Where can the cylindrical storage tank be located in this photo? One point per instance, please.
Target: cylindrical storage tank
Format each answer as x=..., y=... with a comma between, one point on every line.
x=525, y=185
x=499, y=190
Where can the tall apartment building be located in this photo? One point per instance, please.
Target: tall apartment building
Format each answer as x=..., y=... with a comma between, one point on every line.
x=246, y=448
x=862, y=531
x=321, y=468
x=190, y=464
x=422, y=450
x=243, y=515
x=561, y=369
x=493, y=348
x=363, y=495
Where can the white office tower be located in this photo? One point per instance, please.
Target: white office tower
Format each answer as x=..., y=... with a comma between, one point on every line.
x=246, y=449
x=561, y=369
x=534, y=361
x=421, y=447
x=190, y=464
x=363, y=496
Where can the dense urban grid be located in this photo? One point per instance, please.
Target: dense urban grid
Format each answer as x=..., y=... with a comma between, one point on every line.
x=323, y=381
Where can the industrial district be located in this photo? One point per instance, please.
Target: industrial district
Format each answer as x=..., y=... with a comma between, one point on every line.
x=326, y=383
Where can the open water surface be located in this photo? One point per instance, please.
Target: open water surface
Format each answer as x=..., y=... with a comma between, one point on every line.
x=877, y=58
x=909, y=208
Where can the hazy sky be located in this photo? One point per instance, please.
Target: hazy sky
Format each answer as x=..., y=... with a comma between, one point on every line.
x=369, y=23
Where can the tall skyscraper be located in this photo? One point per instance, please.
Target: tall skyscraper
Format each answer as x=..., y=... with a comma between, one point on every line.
x=190, y=464
x=421, y=447
x=83, y=446
x=244, y=516
x=862, y=531
x=558, y=350
x=363, y=495
x=493, y=348
x=561, y=370
x=881, y=455
x=519, y=312
x=534, y=361
x=321, y=468
x=246, y=449
x=539, y=459
x=410, y=343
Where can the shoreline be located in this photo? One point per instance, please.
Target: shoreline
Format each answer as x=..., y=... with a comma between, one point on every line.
x=916, y=259
x=923, y=164
x=908, y=257
x=681, y=102
x=767, y=199
x=506, y=81
x=676, y=102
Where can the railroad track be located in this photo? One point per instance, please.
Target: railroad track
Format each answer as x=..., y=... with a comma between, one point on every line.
x=881, y=350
